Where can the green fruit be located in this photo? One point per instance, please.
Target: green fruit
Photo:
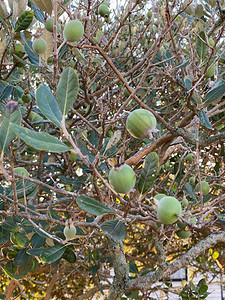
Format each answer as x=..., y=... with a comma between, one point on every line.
x=26, y=98
x=73, y=156
x=211, y=42
x=149, y=14
x=159, y=196
x=69, y=188
x=34, y=117
x=184, y=202
x=50, y=23
x=70, y=232
x=211, y=71
x=106, y=3
x=183, y=234
x=193, y=220
x=21, y=171
x=205, y=187
x=20, y=70
x=73, y=31
x=103, y=10
x=39, y=45
x=140, y=123
x=192, y=180
x=109, y=133
x=18, y=49
x=190, y=157
x=168, y=210
x=122, y=179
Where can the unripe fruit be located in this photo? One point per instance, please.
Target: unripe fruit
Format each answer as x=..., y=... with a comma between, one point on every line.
x=211, y=71
x=21, y=171
x=34, y=117
x=26, y=98
x=184, y=202
x=69, y=231
x=168, y=210
x=184, y=234
x=126, y=92
x=149, y=14
x=192, y=180
x=106, y=3
x=73, y=31
x=39, y=45
x=73, y=156
x=103, y=10
x=159, y=196
x=122, y=179
x=140, y=123
x=50, y=23
x=193, y=220
x=190, y=157
x=211, y=42
x=205, y=187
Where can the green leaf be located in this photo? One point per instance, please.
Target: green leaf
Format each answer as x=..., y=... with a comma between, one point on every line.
x=215, y=93
x=10, y=226
x=92, y=206
x=204, y=119
x=69, y=256
x=26, y=268
x=115, y=228
x=21, y=257
x=52, y=254
x=19, y=238
x=36, y=251
x=201, y=47
x=184, y=64
x=29, y=188
x=67, y=90
x=6, y=132
x=149, y=173
x=133, y=267
x=24, y=21
x=4, y=236
x=10, y=269
x=39, y=140
x=48, y=105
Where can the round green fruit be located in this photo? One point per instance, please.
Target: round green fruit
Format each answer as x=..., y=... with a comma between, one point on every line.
x=21, y=171
x=181, y=225
x=122, y=179
x=184, y=202
x=205, y=187
x=34, y=117
x=140, y=123
x=39, y=45
x=103, y=10
x=183, y=234
x=211, y=42
x=193, y=220
x=73, y=31
x=211, y=71
x=73, y=156
x=50, y=23
x=26, y=98
x=70, y=232
x=149, y=15
x=159, y=196
x=69, y=188
x=168, y=210
x=192, y=180
x=190, y=157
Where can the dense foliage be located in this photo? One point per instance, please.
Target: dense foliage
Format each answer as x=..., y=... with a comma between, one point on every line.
x=65, y=232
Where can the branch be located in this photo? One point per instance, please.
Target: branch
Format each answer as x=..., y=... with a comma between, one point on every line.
x=144, y=282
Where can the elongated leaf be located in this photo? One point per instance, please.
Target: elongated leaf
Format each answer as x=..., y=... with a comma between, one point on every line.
x=67, y=90
x=6, y=92
x=215, y=93
x=204, y=119
x=6, y=132
x=52, y=254
x=29, y=188
x=21, y=257
x=201, y=47
x=48, y=105
x=4, y=236
x=11, y=270
x=189, y=190
x=69, y=256
x=92, y=206
x=26, y=268
x=115, y=228
x=48, y=37
x=39, y=140
x=36, y=251
x=149, y=173
x=24, y=21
